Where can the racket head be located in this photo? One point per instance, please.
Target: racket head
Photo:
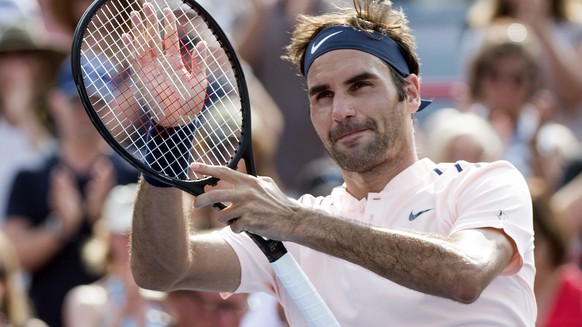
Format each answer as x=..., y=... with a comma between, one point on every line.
x=111, y=81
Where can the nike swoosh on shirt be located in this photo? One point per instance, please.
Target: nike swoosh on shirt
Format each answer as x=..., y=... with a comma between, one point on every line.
x=413, y=215
x=318, y=44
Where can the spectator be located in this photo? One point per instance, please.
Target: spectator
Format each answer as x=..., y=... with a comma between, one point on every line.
x=558, y=283
x=52, y=209
x=505, y=88
x=27, y=60
x=15, y=310
x=557, y=26
x=453, y=135
x=206, y=309
x=114, y=300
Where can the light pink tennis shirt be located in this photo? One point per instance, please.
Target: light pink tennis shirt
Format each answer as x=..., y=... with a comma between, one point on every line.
x=439, y=199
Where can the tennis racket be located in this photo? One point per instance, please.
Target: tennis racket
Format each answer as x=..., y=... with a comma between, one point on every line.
x=163, y=85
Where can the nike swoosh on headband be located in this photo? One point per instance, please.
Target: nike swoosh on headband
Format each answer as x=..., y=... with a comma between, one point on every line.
x=374, y=43
x=318, y=44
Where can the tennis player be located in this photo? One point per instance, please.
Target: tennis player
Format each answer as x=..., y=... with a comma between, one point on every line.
x=403, y=242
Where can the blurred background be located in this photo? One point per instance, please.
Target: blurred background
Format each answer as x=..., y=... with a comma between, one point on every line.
x=504, y=77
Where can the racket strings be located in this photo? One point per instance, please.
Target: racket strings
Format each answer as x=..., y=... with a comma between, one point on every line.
x=135, y=113
x=97, y=53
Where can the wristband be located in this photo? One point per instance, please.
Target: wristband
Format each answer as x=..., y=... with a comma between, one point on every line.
x=168, y=151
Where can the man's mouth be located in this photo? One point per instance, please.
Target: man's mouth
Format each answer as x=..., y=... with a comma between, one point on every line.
x=346, y=135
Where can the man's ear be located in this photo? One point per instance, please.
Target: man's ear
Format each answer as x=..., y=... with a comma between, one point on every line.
x=412, y=89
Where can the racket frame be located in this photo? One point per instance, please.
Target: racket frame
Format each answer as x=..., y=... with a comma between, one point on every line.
x=244, y=150
x=284, y=264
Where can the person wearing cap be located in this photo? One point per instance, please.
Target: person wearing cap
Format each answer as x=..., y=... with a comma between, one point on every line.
x=403, y=241
x=52, y=208
x=28, y=57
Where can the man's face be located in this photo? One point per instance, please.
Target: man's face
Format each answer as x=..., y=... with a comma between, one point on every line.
x=355, y=109
x=207, y=309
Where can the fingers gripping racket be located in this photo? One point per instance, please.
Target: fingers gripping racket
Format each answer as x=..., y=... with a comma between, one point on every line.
x=163, y=86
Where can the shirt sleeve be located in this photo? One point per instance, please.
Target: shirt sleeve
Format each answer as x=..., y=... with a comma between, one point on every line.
x=496, y=196
x=256, y=272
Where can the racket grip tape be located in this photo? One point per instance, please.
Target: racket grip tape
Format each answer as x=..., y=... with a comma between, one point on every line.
x=303, y=292
x=168, y=151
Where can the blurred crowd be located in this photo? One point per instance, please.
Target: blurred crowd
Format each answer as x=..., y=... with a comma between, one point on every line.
x=66, y=197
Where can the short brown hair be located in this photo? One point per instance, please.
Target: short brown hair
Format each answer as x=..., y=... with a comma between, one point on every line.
x=367, y=15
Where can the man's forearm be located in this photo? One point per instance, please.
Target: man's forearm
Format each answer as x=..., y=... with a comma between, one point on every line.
x=160, y=250
x=430, y=264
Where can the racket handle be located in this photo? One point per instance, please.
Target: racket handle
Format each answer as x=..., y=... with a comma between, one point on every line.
x=303, y=292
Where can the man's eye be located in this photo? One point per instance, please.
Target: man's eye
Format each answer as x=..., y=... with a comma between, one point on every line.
x=360, y=85
x=325, y=94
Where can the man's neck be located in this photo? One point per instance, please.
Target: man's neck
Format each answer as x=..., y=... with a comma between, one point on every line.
x=359, y=184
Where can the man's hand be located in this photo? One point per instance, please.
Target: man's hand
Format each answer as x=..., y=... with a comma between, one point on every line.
x=172, y=89
x=256, y=204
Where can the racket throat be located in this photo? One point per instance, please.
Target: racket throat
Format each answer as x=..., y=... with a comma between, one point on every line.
x=273, y=250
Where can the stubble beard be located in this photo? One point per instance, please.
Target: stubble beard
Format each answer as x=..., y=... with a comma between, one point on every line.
x=364, y=157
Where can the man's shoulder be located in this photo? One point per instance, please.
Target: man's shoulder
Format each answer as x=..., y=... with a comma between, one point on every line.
x=462, y=167
x=461, y=174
